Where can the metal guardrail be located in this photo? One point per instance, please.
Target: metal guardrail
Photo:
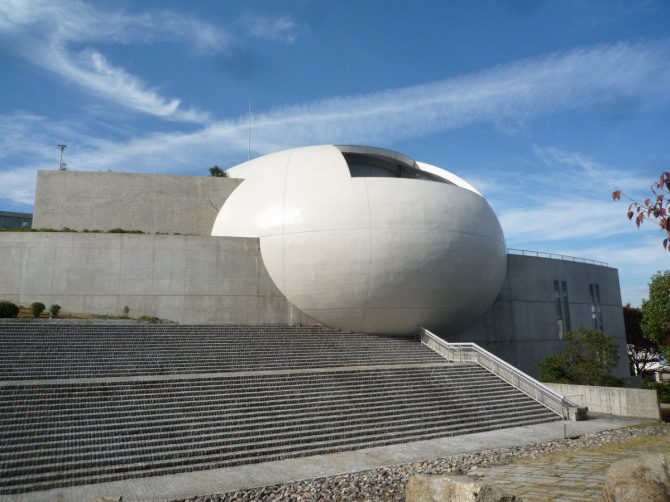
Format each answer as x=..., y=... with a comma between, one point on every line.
x=540, y=254
x=471, y=352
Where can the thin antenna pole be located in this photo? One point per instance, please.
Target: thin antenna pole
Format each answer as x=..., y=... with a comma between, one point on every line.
x=249, y=147
x=61, y=147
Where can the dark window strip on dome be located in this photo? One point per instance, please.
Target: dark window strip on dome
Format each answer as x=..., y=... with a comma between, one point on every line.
x=377, y=166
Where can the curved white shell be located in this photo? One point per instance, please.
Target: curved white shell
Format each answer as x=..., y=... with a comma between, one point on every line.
x=371, y=254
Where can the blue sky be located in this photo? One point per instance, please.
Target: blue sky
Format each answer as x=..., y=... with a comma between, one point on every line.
x=545, y=107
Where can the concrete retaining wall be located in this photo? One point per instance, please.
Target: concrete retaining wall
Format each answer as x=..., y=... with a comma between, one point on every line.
x=639, y=403
x=152, y=203
x=521, y=326
x=187, y=279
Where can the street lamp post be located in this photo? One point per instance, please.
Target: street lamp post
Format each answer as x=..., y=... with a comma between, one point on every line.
x=60, y=166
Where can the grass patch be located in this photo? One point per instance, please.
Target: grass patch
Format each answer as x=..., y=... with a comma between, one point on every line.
x=25, y=315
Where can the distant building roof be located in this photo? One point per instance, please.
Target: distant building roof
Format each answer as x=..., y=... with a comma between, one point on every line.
x=16, y=215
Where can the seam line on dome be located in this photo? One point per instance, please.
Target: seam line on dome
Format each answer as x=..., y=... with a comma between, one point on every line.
x=283, y=227
x=369, y=229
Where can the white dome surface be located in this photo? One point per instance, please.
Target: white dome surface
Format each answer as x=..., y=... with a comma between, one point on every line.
x=356, y=247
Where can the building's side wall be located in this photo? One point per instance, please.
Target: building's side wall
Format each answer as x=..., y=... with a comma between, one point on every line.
x=521, y=327
x=15, y=220
x=152, y=203
x=187, y=279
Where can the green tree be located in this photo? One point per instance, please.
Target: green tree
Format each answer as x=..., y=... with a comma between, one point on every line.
x=643, y=353
x=656, y=312
x=217, y=172
x=37, y=308
x=8, y=309
x=588, y=357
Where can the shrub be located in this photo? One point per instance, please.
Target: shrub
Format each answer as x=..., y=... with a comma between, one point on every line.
x=662, y=388
x=123, y=231
x=587, y=359
x=150, y=319
x=37, y=308
x=54, y=310
x=217, y=172
x=126, y=311
x=8, y=309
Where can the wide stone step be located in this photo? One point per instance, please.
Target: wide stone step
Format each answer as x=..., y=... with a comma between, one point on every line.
x=284, y=397
x=120, y=396
x=77, y=389
x=35, y=449
x=108, y=454
x=32, y=432
x=139, y=407
x=61, y=369
x=54, y=479
x=30, y=426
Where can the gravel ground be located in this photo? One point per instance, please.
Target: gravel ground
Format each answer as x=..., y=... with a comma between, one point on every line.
x=388, y=483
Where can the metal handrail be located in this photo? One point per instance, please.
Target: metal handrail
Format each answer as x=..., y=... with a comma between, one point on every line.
x=541, y=254
x=471, y=352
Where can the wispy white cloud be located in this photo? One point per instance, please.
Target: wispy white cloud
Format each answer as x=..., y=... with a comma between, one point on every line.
x=520, y=91
x=569, y=211
x=19, y=185
x=203, y=37
x=46, y=32
x=566, y=166
x=276, y=29
x=575, y=160
x=562, y=219
x=29, y=142
x=93, y=71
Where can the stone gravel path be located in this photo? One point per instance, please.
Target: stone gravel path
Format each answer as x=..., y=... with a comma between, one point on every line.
x=573, y=476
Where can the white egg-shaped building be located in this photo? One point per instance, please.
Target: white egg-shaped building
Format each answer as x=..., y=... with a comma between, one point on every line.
x=367, y=239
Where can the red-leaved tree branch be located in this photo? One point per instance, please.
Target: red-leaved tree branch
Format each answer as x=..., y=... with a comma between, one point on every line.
x=657, y=208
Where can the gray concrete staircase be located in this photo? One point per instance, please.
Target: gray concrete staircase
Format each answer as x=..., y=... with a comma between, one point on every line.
x=92, y=403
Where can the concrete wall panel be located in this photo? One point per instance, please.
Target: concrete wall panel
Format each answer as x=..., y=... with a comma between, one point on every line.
x=152, y=203
x=181, y=278
x=639, y=403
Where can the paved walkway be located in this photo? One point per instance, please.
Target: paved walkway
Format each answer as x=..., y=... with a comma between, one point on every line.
x=161, y=488
x=577, y=476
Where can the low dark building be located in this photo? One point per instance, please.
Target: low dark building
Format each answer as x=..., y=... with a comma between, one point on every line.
x=15, y=220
